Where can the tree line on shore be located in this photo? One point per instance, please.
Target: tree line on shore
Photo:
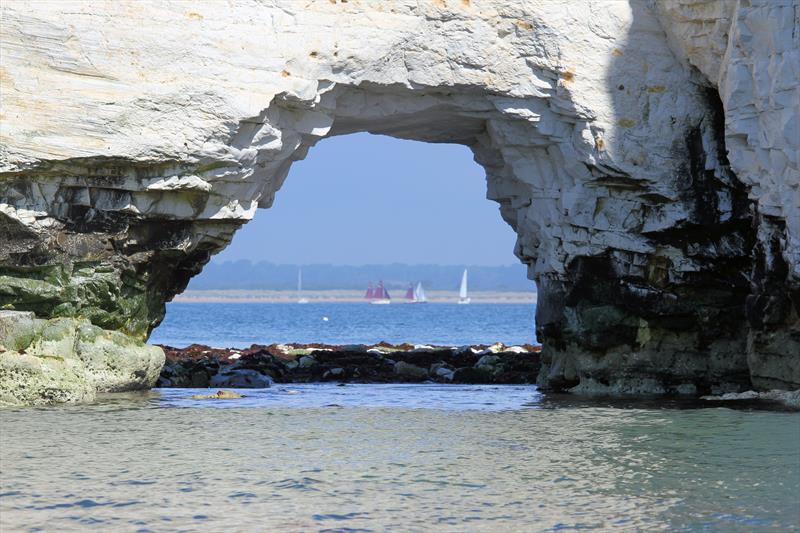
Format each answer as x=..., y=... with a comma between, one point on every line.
x=244, y=274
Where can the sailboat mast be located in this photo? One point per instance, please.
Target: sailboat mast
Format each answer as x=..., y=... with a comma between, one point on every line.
x=300, y=298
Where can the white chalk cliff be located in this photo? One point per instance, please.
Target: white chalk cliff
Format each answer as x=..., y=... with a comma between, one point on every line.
x=645, y=152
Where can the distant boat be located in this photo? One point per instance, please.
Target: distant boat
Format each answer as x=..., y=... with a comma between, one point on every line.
x=300, y=298
x=378, y=294
x=462, y=291
x=416, y=295
x=410, y=292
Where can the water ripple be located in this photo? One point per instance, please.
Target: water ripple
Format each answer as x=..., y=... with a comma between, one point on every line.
x=396, y=458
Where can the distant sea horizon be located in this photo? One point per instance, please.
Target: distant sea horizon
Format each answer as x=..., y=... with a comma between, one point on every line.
x=265, y=275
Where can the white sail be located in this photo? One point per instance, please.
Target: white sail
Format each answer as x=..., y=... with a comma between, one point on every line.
x=300, y=298
x=462, y=291
x=419, y=293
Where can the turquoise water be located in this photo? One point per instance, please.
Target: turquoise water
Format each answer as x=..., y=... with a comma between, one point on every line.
x=240, y=325
x=402, y=458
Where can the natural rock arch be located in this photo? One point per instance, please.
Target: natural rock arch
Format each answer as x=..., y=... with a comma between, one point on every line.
x=659, y=268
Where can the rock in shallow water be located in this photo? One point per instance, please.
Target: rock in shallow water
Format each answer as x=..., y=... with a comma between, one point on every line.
x=339, y=364
x=69, y=360
x=789, y=399
x=219, y=395
x=42, y=380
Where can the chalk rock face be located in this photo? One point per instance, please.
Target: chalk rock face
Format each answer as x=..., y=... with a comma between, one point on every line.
x=645, y=153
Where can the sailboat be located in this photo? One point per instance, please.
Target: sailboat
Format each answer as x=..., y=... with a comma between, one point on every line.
x=300, y=298
x=462, y=291
x=410, y=292
x=416, y=294
x=378, y=294
x=419, y=294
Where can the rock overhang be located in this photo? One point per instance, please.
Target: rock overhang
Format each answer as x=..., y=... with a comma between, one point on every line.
x=646, y=220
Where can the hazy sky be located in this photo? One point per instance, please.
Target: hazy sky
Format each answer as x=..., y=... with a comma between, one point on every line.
x=370, y=199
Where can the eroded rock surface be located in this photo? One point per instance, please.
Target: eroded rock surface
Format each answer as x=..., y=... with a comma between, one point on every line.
x=646, y=154
x=69, y=360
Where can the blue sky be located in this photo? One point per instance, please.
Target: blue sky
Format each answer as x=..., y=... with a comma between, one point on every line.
x=370, y=199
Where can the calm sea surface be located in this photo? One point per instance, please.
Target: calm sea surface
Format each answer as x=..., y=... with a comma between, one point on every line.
x=242, y=324
x=321, y=457
x=395, y=458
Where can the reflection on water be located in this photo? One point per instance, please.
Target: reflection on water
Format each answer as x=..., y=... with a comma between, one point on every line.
x=402, y=458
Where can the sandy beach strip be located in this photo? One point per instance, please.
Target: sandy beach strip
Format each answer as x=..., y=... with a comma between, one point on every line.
x=344, y=296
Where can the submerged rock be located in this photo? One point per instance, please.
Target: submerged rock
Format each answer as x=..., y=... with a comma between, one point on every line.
x=219, y=395
x=788, y=399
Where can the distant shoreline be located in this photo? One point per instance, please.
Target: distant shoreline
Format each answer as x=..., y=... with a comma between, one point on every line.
x=344, y=296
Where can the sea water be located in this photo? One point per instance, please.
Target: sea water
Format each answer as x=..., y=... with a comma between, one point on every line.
x=396, y=458
x=422, y=457
x=242, y=324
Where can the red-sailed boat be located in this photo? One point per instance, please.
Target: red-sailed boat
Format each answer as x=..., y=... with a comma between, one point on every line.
x=377, y=294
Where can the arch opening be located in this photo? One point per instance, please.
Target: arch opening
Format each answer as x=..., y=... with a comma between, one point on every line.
x=364, y=208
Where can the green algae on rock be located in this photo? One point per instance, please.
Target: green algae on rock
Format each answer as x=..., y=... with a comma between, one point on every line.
x=47, y=361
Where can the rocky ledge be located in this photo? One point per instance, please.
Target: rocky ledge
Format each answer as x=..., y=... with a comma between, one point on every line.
x=69, y=360
x=646, y=154
x=199, y=366
x=789, y=400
